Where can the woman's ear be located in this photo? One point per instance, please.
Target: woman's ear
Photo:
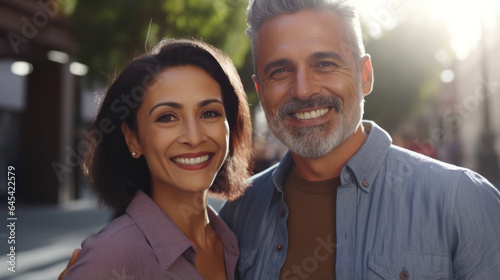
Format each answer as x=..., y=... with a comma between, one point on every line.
x=132, y=140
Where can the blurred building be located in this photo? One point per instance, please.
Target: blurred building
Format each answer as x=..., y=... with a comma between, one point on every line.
x=38, y=100
x=468, y=123
x=268, y=150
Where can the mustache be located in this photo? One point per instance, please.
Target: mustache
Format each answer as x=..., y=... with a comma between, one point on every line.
x=295, y=104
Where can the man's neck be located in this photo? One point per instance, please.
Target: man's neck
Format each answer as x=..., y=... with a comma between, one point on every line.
x=330, y=165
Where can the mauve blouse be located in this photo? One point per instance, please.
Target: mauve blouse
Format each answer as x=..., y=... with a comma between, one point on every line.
x=145, y=243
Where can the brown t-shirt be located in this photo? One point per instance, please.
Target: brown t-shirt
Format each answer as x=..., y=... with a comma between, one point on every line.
x=311, y=226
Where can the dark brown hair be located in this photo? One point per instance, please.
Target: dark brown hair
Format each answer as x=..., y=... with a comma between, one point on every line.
x=114, y=175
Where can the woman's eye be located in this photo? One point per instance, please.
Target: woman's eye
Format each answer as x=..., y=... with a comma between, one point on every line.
x=210, y=114
x=166, y=118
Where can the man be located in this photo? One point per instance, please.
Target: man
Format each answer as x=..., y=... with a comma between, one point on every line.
x=344, y=202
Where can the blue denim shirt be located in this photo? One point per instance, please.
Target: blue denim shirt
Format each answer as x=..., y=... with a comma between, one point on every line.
x=400, y=215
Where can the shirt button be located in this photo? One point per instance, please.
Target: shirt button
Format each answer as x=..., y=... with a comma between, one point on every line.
x=282, y=213
x=279, y=247
x=404, y=275
x=365, y=183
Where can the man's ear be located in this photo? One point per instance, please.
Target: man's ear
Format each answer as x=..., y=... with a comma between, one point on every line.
x=132, y=140
x=256, y=84
x=366, y=74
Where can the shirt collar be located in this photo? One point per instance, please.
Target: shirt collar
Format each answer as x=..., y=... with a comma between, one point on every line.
x=166, y=239
x=225, y=234
x=228, y=239
x=364, y=165
x=279, y=175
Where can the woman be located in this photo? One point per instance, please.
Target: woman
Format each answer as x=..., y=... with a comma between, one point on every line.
x=175, y=126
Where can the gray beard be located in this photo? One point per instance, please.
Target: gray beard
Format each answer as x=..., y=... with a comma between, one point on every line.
x=316, y=141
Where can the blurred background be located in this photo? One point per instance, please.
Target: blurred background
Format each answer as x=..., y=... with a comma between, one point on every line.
x=437, y=84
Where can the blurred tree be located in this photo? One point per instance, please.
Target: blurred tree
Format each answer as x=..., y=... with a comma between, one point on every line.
x=113, y=32
x=407, y=74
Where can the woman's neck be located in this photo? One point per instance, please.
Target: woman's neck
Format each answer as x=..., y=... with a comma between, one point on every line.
x=188, y=210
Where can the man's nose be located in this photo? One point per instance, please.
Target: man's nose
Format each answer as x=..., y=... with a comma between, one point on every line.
x=305, y=85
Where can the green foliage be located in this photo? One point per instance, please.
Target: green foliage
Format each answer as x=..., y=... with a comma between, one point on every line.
x=113, y=32
x=406, y=72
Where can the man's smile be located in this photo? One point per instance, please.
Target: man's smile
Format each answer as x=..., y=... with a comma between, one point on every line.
x=312, y=114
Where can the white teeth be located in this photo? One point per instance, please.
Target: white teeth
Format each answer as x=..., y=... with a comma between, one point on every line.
x=311, y=115
x=191, y=161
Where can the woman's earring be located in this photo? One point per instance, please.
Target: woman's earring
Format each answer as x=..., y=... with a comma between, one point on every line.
x=134, y=154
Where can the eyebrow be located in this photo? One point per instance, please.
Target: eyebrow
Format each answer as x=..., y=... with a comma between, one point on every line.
x=273, y=64
x=180, y=106
x=209, y=101
x=313, y=57
x=322, y=55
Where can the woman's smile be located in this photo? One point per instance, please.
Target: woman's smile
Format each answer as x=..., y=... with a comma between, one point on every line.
x=193, y=161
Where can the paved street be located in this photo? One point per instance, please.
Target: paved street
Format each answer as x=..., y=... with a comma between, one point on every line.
x=45, y=238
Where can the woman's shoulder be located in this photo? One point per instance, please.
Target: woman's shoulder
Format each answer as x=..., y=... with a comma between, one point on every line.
x=122, y=235
x=121, y=227
x=119, y=248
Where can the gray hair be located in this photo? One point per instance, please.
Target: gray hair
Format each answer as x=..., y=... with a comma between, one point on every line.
x=260, y=11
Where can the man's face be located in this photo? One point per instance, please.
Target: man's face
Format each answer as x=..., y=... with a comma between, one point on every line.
x=308, y=82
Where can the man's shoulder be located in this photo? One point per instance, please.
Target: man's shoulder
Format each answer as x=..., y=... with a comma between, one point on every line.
x=260, y=182
x=264, y=176
x=256, y=195
x=405, y=158
x=431, y=172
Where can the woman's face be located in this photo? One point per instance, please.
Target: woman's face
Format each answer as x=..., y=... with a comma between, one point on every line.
x=182, y=130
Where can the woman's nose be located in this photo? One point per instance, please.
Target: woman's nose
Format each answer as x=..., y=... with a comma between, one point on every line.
x=193, y=134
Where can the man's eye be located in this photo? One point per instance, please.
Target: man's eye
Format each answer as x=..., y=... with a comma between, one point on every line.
x=166, y=118
x=210, y=114
x=326, y=64
x=278, y=71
